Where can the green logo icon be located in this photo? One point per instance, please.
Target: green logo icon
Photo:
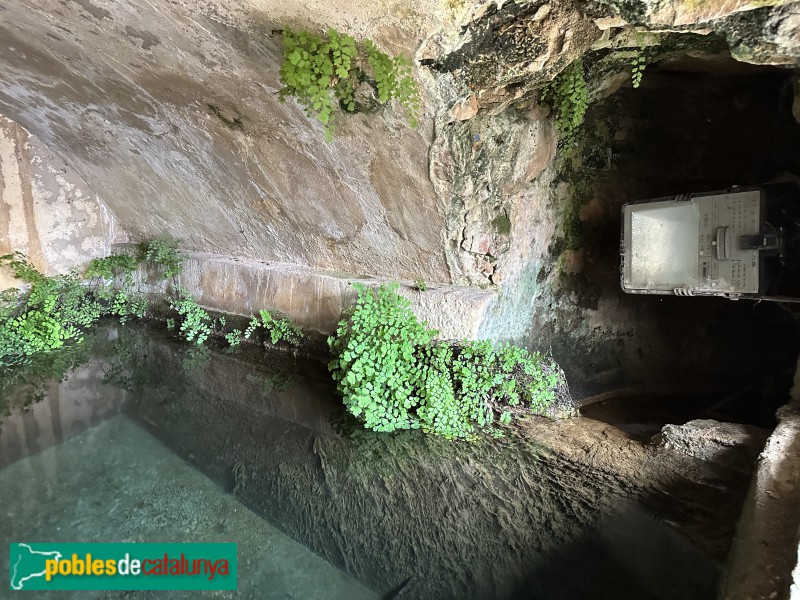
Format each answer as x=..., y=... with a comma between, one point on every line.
x=122, y=566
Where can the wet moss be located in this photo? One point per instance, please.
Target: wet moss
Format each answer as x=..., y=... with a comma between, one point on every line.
x=502, y=224
x=633, y=11
x=570, y=226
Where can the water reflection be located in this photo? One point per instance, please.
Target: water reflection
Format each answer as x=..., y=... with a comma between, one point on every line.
x=417, y=514
x=64, y=409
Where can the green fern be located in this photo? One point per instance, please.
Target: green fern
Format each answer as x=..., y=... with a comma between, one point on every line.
x=163, y=252
x=569, y=98
x=321, y=72
x=279, y=330
x=53, y=312
x=394, y=81
x=639, y=62
x=393, y=375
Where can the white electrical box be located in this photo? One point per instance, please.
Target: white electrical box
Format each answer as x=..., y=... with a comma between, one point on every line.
x=696, y=244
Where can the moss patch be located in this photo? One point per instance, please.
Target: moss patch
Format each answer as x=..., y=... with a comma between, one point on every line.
x=502, y=224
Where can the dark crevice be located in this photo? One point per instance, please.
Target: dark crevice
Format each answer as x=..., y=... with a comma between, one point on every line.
x=693, y=126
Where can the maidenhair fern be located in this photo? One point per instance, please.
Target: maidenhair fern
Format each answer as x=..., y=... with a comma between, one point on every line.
x=323, y=71
x=394, y=375
x=279, y=330
x=639, y=62
x=568, y=95
x=53, y=312
x=643, y=55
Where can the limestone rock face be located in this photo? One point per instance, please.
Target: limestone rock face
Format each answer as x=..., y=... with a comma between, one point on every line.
x=707, y=439
x=508, y=51
x=47, y=211
x=170, y=113
x=685, y=12
x=557, y=292
x=479, y=169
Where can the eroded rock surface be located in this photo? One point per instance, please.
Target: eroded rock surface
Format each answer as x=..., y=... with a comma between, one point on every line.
x=169, y=113
x=47, y=211
x=729, y=443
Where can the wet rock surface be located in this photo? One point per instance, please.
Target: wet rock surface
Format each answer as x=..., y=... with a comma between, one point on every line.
x=727, y=443
x=169, y=114
x=507, y=518
x=763, y=562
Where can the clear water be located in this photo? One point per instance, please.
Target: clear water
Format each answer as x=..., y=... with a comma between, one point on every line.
x=149, y=441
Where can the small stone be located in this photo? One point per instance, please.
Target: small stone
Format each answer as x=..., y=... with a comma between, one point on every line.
x=542, y=12
x=729, y=443
x=573, y=261
x=605, y=23
x=479, y=244
x=466, y=109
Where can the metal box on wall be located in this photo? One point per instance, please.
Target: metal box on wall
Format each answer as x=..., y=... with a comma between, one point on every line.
x=708, y=244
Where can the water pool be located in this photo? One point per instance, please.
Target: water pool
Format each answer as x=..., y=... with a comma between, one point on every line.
x=148, y=440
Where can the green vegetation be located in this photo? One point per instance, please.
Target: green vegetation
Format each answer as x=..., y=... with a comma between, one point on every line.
x=52, y=312
x=502, y=224
x=568, y=95
x=55, y=311
x=196, y=324
x=639, y=62
x=234, y=337
x=113, y=266
x=390, y=369
x=164, y=253
x=319, y=71
x=420, y=285
x=645, y=53
x=277, y=329
x=394, y=375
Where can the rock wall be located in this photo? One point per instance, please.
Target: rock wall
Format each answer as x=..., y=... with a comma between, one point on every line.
x=46, y=210
x=170, y=114
x=315, y=299
x=559, y=275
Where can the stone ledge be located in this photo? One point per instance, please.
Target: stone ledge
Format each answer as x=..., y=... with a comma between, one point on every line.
x=315, y=299
x=765, y=547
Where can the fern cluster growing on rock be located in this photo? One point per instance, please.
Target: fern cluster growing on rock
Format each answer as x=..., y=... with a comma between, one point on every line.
x=52, y=312
x=393, y=374
x=322, y=72
x=568, y=96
